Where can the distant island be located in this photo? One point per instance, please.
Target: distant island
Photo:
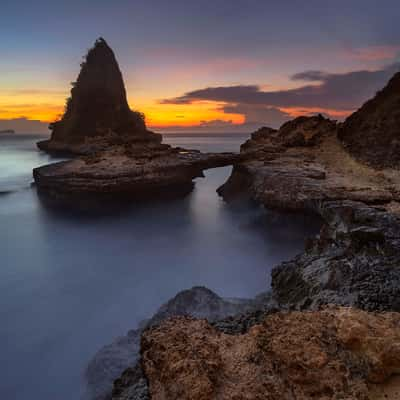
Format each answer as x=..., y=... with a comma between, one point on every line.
x=7, y=131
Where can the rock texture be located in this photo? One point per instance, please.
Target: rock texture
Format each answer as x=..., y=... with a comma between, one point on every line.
x=303, y=164
x=303, y=167
x=122, y=354
x=97, y=113
x=326, y=353
x=354, y=261
x=372, y=134
x=127, y=172
x=336, y=353
x=119, y=157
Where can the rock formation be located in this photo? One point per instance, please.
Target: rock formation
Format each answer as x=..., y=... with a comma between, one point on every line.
x=336, y=353
x=372, y=134
x=119, y=157
x=127, y=172
x=289, y=347
x=97, y=112
x=113, y=359
x=354, y=261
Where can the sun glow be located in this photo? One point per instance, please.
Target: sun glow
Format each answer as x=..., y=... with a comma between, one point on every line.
x=167, y=115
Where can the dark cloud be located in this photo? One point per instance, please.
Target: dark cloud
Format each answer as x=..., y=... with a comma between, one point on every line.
x=24, y=125
x=345, y=91
x=258, y=115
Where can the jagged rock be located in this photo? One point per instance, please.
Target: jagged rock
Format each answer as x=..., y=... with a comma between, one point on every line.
x=355, y=259
x=122, y=354
x=372, y=134
x=288, y=176
x=335, y=353
x=97, y=113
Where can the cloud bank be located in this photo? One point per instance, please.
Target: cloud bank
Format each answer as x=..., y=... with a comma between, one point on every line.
x=334, y=94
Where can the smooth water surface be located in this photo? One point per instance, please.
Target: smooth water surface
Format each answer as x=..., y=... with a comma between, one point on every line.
x=71, y=283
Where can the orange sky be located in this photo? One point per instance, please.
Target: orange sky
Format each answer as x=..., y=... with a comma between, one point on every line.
x=49, y=106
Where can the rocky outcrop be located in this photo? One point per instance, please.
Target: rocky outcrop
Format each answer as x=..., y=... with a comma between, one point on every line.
x=97, y=113
x=334, y=353
x=372, y=134
x=355, y=259
x=127, y=173
x=119, y=158
x=296, y=175
x=112, y=360
x=306, y=352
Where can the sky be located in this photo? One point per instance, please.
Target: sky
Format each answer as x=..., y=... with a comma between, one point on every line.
x=201, y=66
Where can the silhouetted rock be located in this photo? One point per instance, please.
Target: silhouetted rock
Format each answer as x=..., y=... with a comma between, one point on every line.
x=97, y=108
x=372, y=134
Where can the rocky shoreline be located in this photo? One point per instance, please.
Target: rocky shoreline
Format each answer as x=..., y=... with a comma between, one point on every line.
x=330, y=328
x=127, y=173
x=296, y=344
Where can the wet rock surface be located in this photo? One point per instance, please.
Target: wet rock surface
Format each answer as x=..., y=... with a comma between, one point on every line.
x=329, y=354
x=354, y=261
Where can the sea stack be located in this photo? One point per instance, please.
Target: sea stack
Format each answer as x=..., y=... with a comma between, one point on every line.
x=372, y=134
x=97, y=112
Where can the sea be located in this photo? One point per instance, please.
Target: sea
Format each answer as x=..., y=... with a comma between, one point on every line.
x=70, y=282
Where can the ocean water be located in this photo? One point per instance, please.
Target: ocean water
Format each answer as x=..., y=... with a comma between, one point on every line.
x=70, y=283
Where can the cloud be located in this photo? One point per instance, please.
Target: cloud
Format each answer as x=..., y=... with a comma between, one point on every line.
x=24, y=125
x=374, y=53
x=339, y=91
x=257, y=115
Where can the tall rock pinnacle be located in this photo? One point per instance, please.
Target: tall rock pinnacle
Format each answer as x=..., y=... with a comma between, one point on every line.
x=98, y=107
x=372, y=134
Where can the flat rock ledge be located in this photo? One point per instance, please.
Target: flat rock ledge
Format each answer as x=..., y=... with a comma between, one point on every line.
x=128, y=172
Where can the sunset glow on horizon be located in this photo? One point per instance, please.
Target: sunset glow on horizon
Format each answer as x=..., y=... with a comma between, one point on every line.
x=189, y=72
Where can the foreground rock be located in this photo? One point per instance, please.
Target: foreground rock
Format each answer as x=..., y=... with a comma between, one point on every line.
x=337, y=353
x=372, y=134
x=199, y=302
x=127, y=172
x=97, y=114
